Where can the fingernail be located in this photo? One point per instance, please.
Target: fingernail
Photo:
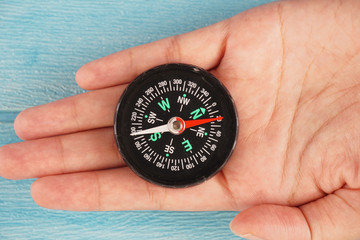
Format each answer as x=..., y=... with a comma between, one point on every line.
x=251, y=237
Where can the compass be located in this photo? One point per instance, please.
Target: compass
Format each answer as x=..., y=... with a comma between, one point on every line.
x=176, y=125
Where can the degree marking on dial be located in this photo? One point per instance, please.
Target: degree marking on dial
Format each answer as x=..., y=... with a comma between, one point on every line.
x=206, y=151
x=170, y=85
x=214, y=112
x=207, y=100
x=146, y=99
x=136, y=109
x=145, y=149
x=213, y=125
x=196, y=91
x=138, y=138
x=184, y=86
x=182, y=164
x=136, y=123
x=157, y=155
x=195, y=160
x=213, y=139
x=157, y=90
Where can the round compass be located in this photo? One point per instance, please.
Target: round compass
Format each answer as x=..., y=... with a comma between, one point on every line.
x=176, y=125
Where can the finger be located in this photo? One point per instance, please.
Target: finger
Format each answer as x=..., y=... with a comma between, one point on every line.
x=77, y=113
x=203, y=47
x=84, y=151
x=271, y=222
x=336, y=216
x=121, y=189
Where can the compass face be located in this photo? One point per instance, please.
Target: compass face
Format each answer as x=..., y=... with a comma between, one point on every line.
x=176, y=125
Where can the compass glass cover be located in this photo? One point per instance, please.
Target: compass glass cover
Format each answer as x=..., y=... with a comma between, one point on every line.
x=176, y=125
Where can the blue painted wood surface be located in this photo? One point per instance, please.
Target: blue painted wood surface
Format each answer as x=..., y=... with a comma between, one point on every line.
x=42, y=45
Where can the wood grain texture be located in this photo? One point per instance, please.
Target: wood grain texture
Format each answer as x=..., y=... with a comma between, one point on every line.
x=41, y=47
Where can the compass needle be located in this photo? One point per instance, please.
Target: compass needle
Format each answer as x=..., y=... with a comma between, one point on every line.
x=166, y=130
x=161, y=129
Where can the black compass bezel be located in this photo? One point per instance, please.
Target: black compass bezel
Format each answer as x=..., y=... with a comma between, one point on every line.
x=145, y=170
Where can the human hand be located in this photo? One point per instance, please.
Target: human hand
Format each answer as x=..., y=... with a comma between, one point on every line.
x=292, y=69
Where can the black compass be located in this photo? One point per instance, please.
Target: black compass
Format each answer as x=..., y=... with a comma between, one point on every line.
x=176, y=125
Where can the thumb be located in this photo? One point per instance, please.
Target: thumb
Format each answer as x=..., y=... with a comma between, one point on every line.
x=271, y=222
x=335, y=216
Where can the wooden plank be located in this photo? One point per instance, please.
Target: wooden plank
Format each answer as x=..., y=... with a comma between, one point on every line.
x=41, y=47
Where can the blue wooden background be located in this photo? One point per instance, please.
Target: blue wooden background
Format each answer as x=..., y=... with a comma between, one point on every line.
x=42, y=44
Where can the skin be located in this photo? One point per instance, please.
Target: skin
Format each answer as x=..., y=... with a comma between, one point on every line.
x=293, y=70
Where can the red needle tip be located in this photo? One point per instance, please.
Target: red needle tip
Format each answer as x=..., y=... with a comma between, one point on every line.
x=193, y=123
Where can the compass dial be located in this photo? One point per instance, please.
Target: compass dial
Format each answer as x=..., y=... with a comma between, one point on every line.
x=176, y=125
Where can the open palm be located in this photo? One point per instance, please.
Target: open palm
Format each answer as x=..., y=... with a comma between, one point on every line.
x=293, y=70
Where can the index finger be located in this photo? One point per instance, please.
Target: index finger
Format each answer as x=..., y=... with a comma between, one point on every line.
x=203, y=47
